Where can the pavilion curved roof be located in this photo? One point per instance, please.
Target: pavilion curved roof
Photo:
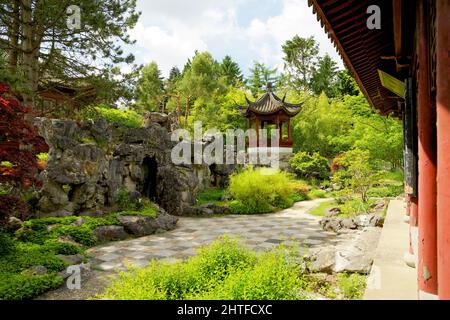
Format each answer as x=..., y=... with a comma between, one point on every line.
x=269, y=103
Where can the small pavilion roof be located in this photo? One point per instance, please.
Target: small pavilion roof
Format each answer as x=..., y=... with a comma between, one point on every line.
x=269, y=104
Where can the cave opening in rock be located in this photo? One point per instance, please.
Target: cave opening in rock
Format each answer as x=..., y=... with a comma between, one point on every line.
x=150, y=167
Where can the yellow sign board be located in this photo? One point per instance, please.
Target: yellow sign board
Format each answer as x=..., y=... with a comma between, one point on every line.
x=391, y=83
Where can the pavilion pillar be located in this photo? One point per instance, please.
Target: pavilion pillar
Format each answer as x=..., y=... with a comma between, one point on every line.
x=426, y=121
x=443, y=145
x=411, y=256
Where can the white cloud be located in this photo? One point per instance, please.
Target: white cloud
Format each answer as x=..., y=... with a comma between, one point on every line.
x=170, y=31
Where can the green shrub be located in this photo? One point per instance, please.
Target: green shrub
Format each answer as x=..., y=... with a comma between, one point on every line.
x=352, y=286
x=210, y=195
x=36, y=230
x=300, y=189
x=355, y=171
x=310, y=166
x=386, y=191
x=317, y=194
x=123, y=199
x=260, y=190
x=162, y=280
x=355, y=206
x=225, y=269
x=6, y=244
x=24, y=286
x=274, y=276
x=28, y=255
x=125, y=118
x=62, y=247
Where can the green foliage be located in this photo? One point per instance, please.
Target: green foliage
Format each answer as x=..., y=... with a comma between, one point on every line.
x=310, y=166
x=275, y=276
x=355, y=172
x=260, y=191
x=211, y=195
x=324, y=76
x=300, y=55
x=15, y=286
x=225, y=269
x=321, y=208
x=261, y=78
x=37, y=230
x=27, y=255
x=349, y=207
x=387, y=191
x=346, y=84
x=43, y=156
x=317, y=194
x=352, y=285
x=230, y=70
x=126, y=119
x=220, y=111
x=149, y=211
x=6, y=244
x=354, y=207
x=150, y=89
x=39, y=42
x=123, y=200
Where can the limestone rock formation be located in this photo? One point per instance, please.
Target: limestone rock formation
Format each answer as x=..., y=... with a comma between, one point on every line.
x=90, y=161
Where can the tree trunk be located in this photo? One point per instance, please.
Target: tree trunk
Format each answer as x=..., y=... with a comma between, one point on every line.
x=30, y=54
x=14, y=38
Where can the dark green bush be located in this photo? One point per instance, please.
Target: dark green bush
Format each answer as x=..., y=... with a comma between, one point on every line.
x=124, y=200
x=23, y=286
x=310, y=166
x=29, y=255
x=6, y=244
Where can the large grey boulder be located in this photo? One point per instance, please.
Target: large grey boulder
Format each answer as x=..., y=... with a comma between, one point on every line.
x=143, y=226
x=110, y=233
x=207, y=210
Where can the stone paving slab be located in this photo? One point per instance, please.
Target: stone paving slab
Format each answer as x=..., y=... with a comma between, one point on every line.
x=261, y=232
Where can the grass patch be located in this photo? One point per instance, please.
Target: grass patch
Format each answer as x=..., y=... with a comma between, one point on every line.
x=349, y=208
x=321, y=208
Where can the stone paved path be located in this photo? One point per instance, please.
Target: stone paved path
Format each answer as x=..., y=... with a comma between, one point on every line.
x=261, y=232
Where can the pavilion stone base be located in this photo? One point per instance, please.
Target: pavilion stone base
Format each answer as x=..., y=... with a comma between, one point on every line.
x=270, y=157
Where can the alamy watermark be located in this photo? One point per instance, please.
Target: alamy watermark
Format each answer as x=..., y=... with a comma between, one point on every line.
x=374, y=20
x=73, y=17
x=235, y=146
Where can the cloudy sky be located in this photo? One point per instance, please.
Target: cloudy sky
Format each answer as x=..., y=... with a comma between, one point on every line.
x=169, y=31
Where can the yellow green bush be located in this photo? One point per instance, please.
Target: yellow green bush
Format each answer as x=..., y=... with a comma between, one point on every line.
x=225, y=269
x=260, y=191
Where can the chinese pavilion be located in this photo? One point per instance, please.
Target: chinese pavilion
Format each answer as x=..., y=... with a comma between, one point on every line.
x=271, y=113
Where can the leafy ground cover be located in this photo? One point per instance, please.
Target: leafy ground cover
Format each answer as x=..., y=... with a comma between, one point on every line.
x=227, y=270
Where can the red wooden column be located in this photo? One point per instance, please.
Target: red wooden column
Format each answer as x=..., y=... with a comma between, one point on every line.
x=411, y=259
x=426, y=120
x=443, y=141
